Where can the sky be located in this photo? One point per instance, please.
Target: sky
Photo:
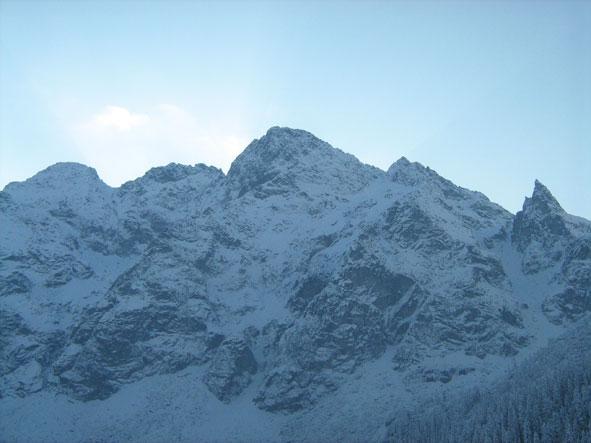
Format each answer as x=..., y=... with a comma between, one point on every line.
x=492, y=95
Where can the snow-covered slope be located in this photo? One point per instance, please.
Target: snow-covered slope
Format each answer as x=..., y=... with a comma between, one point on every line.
x=304, y=291
x=545, y=398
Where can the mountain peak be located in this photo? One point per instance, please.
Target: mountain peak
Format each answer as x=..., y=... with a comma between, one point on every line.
x=57, y=183
x=69, y=170
x=69, y=174
x=402, y=161
x=282, y=142
x=278, y=148
x=541, y=200
x=286, y=155
x=286, y=132
x=410, y=173
x=175, y=171
x=541, y=216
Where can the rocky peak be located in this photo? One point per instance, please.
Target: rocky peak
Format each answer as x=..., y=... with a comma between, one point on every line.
x=278, y=146
x=425, y=180
x=541, y=219
x=541, y=204
x=410, y=173
x=63, y=173
x=68, y=169
x=401, y=163
x=67, y=180
x=285, y=156
x=174, y=172
x=542, y=201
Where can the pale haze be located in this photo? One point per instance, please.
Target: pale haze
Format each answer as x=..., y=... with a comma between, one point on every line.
x=490, y=95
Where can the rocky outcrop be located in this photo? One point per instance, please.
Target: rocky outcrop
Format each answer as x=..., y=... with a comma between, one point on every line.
x=231, y=369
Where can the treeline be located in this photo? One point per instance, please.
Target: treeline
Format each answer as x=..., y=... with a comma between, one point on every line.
x=546, y=399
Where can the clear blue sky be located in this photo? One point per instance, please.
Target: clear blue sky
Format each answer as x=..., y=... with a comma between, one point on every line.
x=490, y=95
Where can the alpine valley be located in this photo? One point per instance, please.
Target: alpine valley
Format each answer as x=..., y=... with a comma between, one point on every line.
x=303, y=296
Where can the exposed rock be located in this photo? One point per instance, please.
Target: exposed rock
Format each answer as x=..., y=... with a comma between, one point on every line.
x=231, y=369
x=280, y=281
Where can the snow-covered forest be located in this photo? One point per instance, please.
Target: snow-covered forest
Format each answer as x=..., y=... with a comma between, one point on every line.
x=545, y=399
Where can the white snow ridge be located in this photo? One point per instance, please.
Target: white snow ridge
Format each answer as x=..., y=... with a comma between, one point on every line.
x=302, y=297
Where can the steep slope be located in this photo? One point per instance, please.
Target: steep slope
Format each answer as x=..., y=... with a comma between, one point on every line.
x=545, y=399
x=558, y=245
x=297, y=282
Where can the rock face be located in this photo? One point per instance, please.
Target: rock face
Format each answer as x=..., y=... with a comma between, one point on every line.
x=558, y=244
x=297, y=269
x=231, y=369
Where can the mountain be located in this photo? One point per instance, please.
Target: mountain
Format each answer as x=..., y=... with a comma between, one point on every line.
x=304, y=296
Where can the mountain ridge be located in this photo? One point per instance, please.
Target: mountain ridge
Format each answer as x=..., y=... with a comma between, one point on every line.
x=280, y=286
x=398, y=170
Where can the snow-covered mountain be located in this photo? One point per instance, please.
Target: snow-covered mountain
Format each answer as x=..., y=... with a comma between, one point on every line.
x=303, y=296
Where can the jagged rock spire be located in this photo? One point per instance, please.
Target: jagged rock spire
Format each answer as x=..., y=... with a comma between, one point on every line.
x=541, y=200
x=542, y=217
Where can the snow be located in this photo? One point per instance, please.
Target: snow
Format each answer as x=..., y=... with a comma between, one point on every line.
x=232, y=251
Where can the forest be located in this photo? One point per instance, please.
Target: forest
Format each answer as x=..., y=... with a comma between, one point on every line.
x=546, y=399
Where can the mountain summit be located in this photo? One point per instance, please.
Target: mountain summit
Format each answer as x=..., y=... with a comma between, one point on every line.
x=286, y=160
x=285, y=144
x=304, y=291
x=542, y=200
